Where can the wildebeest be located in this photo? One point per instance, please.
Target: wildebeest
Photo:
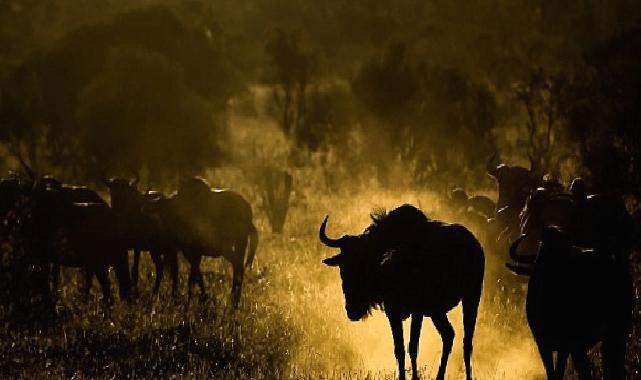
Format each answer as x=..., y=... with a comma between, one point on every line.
x=143, y=219
x=411, y=266
x=479, y=204
x=73, y=234
x=514, y=184
x=466, y=214
x=576, y=298
x=213, y=223
x=544, y=208
x=594, y=221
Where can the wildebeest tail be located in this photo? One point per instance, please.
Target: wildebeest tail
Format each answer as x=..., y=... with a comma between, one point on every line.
x=253, y=244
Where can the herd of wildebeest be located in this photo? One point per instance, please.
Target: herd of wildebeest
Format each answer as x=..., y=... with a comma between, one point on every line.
x=73, y=226
x=575, y=248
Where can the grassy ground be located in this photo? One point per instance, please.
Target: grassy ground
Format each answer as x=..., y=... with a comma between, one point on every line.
x=291, y=323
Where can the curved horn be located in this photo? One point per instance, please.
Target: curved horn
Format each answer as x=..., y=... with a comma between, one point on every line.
x=524, y=259
x=490, y=166
x=333, y=243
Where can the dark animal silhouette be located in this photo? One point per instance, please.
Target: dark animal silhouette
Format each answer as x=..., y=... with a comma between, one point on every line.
x=10, y=188
x=545, y=208
x=70, y=194
x=143, y=220
x=593, y=221
x=213, y=223
x=412, y=266
x=73, y=234
x=576, y=298
x=514, y=184
x=465, y=215
x=482, y=204
x=478, y=204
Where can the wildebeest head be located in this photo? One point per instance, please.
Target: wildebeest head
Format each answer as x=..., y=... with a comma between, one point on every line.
x=357, y=268
x=578, y=189
x=124, y=193
x=361, y=256
x=514, y=183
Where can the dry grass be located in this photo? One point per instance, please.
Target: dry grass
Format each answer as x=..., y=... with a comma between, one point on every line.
x=291, y=323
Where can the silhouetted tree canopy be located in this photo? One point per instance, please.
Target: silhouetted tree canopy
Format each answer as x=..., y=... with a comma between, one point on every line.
x=428, y=86
x=436, y=118
x=127, y=89
x=606, y=119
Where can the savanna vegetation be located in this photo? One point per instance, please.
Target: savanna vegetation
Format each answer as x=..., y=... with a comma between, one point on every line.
x=306, y=109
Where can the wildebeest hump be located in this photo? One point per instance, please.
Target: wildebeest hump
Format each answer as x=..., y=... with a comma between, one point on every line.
x=212, y=217
x=413, y=274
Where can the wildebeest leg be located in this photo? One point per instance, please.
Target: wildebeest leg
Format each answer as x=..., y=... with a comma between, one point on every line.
x=194, y=270
x=103, y=278
x=614, y=348
x=561, y=362
x=546, y=356
x=121, y=267
x=582, y=364
x=134, y=270
x=415, y=334
x=399, y=346
x=470, y=311
x=156, y=257
x=237, y=281
x=446, y=331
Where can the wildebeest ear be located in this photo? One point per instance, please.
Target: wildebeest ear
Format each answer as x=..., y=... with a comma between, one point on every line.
x=333, y=261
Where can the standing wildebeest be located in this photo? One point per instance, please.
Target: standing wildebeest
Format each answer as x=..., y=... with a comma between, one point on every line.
x=544, y=208
x=594, y=221
x=74, y=234
x=514, y=184
x=412, y=266
x=576, y=298
x=142, y=219
x=213, y=223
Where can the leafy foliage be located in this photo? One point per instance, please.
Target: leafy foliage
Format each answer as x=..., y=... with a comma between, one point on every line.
x=605, y=119
x=429, y=115
x=143, y=78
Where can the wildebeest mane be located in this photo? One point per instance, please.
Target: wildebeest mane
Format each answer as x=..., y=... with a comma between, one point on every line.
x=399, y=224
x=389, y=234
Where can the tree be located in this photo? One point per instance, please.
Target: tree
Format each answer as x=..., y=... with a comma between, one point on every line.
x=432, y=119
x=291, y=70
x=546, y=101
x=139, y=113
x=606, y=116
x=141, y=80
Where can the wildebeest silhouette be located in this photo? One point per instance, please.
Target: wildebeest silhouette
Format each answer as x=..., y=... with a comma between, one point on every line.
x=75, y=234
x=544, y=208
x=213, y=223
x=576, y=298
x=412, y=266
x=514, y=183
x=479, y=204
x=143, y=220
x=595, y=221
